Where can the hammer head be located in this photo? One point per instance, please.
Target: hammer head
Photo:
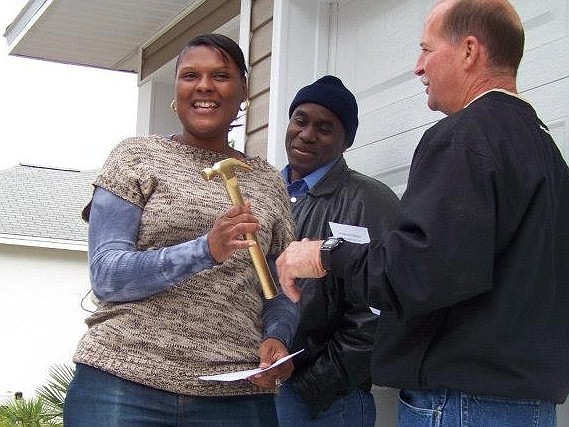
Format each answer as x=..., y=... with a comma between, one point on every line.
x=225, y=169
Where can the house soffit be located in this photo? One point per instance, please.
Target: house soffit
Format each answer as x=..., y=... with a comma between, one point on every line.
x=104, y=34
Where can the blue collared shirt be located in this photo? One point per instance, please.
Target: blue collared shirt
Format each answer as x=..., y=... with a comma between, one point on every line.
x=300, y=187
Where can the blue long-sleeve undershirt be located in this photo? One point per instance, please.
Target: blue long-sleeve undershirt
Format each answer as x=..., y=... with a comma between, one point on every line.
x=119, y=272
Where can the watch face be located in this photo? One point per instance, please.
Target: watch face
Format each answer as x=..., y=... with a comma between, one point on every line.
x=326, y=251
x=332, y=242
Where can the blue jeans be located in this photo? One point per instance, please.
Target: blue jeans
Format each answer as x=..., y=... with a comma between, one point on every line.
x=450, y=408
x=356, y=409
x=96, y=398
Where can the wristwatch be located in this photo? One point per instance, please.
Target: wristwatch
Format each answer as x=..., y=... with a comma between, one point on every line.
x=329, y=246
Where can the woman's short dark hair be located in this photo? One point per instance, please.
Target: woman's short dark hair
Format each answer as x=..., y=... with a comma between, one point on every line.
x=223, y=44
x=493, y=24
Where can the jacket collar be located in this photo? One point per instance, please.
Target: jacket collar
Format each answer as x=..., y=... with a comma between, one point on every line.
x=332, y=180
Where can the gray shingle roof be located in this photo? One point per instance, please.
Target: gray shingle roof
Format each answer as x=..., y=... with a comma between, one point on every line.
x=44, y=204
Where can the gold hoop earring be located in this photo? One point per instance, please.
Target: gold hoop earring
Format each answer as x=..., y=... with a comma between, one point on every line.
x=173, y=105
x=244, y=105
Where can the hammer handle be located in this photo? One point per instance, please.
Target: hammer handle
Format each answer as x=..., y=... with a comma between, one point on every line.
x=257, y=255
x=260, y=264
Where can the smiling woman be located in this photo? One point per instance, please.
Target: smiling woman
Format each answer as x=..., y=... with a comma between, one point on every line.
x=179, y=296
x=209, y=87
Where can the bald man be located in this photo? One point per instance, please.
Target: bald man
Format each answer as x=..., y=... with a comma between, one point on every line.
x=473, y=284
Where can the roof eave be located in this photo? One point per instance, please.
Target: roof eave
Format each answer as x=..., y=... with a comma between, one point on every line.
x=42, y=242
x=25, y=19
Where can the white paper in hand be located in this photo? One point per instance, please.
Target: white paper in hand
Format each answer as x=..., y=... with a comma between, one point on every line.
x=241, y=375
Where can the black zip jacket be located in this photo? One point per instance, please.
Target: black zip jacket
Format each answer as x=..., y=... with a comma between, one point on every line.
x=474, y=282
x=337, y=332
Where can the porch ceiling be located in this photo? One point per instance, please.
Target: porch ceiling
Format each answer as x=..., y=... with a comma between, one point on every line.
x=104, y=33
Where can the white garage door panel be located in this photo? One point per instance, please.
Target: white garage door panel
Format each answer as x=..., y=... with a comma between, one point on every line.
x=544, y=65
x=544, y=21
x=387, y=138
x=369, y=37
x=551, y=103
x=376, y=46
x=380, y=124
x=396, y=151
x=546, y=55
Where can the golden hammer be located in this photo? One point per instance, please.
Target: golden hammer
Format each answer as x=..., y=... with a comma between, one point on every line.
x=225, y=170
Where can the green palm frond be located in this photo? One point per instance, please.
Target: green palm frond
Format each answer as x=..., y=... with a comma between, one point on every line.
x=28, y=413
x=56, y=388
x=45, y=410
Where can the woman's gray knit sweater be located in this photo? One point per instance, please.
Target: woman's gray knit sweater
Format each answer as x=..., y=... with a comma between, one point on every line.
x=211, y=322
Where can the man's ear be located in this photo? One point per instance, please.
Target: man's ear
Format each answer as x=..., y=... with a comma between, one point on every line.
x=472, y=49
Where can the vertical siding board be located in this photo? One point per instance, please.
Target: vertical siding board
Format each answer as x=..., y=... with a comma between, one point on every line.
x=261, y=12
x=261, y=43
x=259, y=112
x=259, y=77
x=257, y=142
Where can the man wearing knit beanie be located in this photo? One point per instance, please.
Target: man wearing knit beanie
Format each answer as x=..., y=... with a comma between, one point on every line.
x=330, y=92
x=331, y=383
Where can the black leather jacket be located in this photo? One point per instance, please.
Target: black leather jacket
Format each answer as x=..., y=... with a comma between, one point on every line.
x=337, y=333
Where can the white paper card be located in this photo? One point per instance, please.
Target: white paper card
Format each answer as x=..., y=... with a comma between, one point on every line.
x=241, y=375
x=375, y=311
x=351, y=233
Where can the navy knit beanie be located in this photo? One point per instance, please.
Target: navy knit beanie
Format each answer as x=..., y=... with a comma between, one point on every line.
x=330, y=92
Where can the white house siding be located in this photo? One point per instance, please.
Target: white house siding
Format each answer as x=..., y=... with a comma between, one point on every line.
x=41, y=318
